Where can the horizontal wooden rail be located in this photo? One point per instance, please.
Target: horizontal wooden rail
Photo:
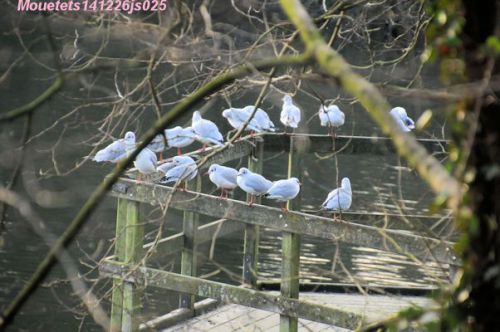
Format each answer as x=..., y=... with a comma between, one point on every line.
x=310, y=143
x=238, y=150
x=143, y=276
x=348, y=144
x=173, y=244
x=295, y=222
x=178, y=315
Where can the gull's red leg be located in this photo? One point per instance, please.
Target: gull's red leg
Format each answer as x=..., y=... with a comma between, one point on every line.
x=251, y=200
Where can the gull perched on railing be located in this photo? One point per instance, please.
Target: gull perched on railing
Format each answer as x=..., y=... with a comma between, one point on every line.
x=145, y=162
x=237, y=118
x=180, y=168
x=176, y=137
x=331, y=117
x=339, y=199
x=157, y=145
x=284, y=190
x=290, y=114
x=117, y=150
x=261, y=119
x=252, y=183
x=206, y=131
x=404, y=122
x=223, y=177
x=179, y=137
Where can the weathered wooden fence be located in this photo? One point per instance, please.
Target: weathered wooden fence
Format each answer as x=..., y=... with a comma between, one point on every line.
x=130, y=272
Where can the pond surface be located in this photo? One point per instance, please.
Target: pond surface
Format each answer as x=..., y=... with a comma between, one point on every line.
x=380, y=183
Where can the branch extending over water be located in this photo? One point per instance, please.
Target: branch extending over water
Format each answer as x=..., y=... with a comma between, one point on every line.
x=377, y=106
x=95, y=198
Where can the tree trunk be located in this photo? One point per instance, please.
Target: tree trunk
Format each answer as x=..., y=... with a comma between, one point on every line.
x=481, y=257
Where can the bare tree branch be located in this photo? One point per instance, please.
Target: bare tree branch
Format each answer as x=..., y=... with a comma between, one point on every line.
x=96, y=197
x=68, y=264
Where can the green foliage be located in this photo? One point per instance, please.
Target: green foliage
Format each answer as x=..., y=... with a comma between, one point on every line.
x=493, y=45
x=445, y=44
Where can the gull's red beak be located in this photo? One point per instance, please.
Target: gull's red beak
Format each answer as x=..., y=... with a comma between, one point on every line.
x=206, y=173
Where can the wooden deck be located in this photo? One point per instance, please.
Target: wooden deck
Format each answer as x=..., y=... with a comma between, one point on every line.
x=245, y=306
x=235, y=317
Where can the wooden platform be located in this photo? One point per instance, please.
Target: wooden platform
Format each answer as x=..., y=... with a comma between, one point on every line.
x=235, y=317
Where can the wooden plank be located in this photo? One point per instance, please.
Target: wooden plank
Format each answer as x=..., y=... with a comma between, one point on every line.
x=348, y=288
x=117, y=294
x=290, y=264
x=178, y=315
x=294, y=222
x=238, y=150
x=250, y=255
x=379, y=219
x=290, y=244
x=134, y=234
x=347, y=144
x=205, y=233
x=231, y=294
x=251, y=242
x=189, y=248
x=407, y=222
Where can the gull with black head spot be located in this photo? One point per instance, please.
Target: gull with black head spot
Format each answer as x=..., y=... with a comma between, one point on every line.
x=223, y=177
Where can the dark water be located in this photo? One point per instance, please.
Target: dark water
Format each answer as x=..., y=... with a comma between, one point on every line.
x=58, y=185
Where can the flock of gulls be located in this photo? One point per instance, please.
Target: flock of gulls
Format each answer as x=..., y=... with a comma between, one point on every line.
x=182, y=168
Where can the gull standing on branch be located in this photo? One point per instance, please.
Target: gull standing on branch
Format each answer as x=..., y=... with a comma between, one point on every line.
x=223, y=177
x=339, y=199
x=117, y=150
x=290, y=114
x=252, y=183
x=404, y=122
x=331, y=117
x=180, y=168
x=145, y=162
x=284, y=190
x=206, y=131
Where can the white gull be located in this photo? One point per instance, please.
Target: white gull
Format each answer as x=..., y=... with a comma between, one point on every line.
x=284, y=190
x=404, y=122
x=331, y=117
x=339, y=199
x=290, y=114
x=223, y=177
x=117, y=150
x=252, y=183
x=206, y=131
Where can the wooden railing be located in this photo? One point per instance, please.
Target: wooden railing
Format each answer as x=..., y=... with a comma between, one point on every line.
x=130, y=274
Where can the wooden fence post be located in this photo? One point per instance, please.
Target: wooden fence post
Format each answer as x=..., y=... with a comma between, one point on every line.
x=134, y=237
x=126, y=298
x=117, y=294
x=188, y=259
x=290, y=246
x=251, y=244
